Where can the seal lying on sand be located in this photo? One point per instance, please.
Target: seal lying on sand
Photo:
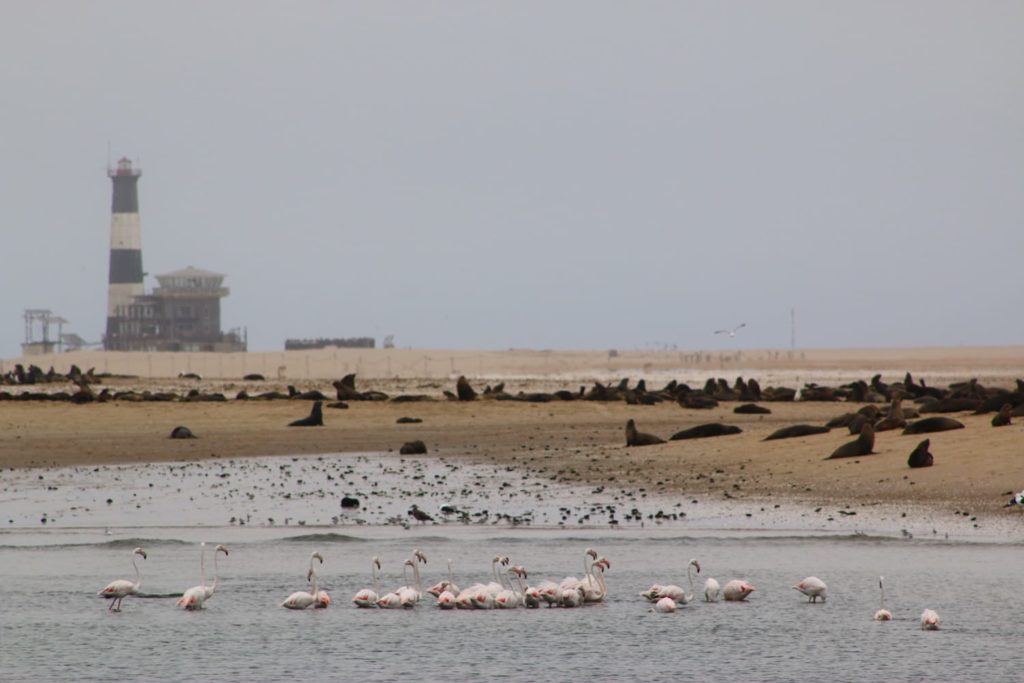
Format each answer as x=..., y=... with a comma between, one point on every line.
x=413, y=448
x=705, y=430
x=864, y=445
x=751, y=409
x=315, y=419
x=635, y=438
x=920, y=457
x=930, y=425
x=796, y=430
x=182, y=433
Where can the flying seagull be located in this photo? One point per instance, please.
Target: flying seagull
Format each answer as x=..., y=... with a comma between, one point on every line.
x=732, y=332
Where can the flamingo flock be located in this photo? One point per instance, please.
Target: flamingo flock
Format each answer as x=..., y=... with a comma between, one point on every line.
x=507, y=588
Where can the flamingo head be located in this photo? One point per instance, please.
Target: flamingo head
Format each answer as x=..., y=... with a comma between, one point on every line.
x=696, y=564
x=591, y=552
x=518, y=571
x=318, y=556
x=221, y=549
x=418, y=554
x=604, y=564
x=410, y=563
x=139, y=551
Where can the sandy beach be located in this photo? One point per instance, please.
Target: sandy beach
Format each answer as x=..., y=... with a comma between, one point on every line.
x=576, y=441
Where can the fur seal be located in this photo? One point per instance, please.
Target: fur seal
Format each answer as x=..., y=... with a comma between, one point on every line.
x=315, y=419
x=182, y=433
x=636, y=438
x=751, y=409
x=408, y=421
x=895, y=419
x=339, y=405
x=254, y=377
x=863, y=445
x=930, y=425
x=920, y=457
x=795, y=431
x=463, y=390
x=705, y=430
x=1003, y=418
x=413, y=448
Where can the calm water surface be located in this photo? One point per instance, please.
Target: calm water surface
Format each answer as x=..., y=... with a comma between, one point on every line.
x=55, y=628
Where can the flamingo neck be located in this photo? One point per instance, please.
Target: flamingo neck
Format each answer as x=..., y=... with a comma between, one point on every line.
x=216, y=572
x=416, y=573
x=138, y=576
x=689, y=575
x=202, y=565
x=451, y=580
x=376, y=581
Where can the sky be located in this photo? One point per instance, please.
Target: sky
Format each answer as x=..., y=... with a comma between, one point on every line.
x=549, y=175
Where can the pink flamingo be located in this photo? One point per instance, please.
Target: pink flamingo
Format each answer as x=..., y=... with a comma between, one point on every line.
x=368, y=597
x=679, y=595
x=930, y=620
x=813, y=588
x=302, y=599
x=121, y=588
x=592, y=592
x=665, y=605
x=882, y=614
x=737, y=590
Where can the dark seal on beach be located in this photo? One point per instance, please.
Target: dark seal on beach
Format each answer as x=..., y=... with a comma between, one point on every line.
x=929, y=425
x=796, y=430
x=920, y=457
x=413, y=448
x=636, y=438
x=751, y=409
x=315, y=419
x=349, y=502
x=182, y=433
x=706, y=430
x=863, y=445
x=408, y=420
x=464, y=390
x=1003, y=418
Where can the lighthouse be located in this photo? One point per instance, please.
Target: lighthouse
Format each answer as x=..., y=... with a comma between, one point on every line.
x=125, y=280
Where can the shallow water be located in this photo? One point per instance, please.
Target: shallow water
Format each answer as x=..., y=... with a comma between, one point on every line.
x=54, y=627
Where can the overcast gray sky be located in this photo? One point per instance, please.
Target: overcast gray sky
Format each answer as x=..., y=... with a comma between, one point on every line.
x=528, y=174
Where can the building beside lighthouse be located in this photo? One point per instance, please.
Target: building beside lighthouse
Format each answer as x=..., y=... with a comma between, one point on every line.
x=182, y=313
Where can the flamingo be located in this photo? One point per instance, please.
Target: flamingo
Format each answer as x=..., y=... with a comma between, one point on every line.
x=509, y=598
x=216, y=570
x=813, y=588
x=737, y=590
x=571, y=597
x=192, y=599
x=368, y=597
x=447, y=599
x=664, y=605
x=549, y=592
x=882, y=614
x=572, y=581
x=658, y=591
x=930, y=620
x=711, y=590
x=442, y=586
x=411, y=596
x=119, y=589
x=596, y=593
x=302, y=599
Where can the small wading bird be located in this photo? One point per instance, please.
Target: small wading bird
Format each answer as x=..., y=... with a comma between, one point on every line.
x=121, y=588
x=732, y=332
x=420, y=515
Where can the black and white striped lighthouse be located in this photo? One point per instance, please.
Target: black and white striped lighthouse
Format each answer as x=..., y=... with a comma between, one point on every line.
x=125, y=281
